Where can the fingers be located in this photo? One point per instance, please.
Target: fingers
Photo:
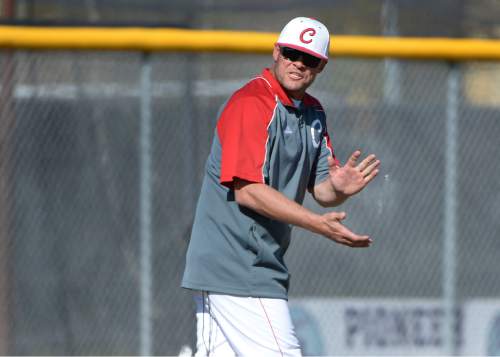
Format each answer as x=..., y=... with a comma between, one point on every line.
x=369, y=167
x=342, y=235
x=359, y=242
x=370, y=159
x=353, y=240
x=371, y=176
x=354, y=158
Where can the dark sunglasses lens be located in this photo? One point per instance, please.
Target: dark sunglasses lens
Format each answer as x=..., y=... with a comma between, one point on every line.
x=294, y=55
x=310, y=61
x=290, y=53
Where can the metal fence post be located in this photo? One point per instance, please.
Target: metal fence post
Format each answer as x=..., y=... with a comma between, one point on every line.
x=450, y=211
x=7, y=119
x=392, y=69
x=145, y=208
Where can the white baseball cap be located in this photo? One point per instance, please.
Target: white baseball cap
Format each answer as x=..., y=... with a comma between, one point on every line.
x=307, y=35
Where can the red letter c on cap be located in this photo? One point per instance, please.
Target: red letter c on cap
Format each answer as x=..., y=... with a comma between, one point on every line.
x=309, y=31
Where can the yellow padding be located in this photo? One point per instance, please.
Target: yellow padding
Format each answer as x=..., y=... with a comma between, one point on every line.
x=171, y=39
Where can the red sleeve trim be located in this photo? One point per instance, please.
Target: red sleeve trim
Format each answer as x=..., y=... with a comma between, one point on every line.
x=329, y=146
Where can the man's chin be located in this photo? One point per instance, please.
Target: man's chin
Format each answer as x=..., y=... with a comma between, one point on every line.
x=293, y=86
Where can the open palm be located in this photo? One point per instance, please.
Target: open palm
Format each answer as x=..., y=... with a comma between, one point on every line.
x=353, y=177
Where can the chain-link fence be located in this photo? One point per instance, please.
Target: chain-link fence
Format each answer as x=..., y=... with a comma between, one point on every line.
x=102, y=156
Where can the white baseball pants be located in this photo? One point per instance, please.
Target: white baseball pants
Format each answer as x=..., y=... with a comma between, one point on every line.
x=230, y=325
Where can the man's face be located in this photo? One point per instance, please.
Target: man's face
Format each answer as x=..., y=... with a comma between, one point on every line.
x=293, y=75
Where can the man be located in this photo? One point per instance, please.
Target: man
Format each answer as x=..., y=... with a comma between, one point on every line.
x=270, y=146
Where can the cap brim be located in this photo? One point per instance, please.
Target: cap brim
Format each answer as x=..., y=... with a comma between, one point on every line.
x=303, y=49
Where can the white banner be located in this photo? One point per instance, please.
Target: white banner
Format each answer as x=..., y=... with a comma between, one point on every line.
x=393, y=326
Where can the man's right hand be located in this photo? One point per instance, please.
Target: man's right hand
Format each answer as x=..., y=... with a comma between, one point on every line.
x=331, y=227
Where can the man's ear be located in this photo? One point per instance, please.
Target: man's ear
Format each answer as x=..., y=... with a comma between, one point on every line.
x=276, y=52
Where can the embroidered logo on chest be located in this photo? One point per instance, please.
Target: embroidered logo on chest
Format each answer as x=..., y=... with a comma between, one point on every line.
x=316, y=132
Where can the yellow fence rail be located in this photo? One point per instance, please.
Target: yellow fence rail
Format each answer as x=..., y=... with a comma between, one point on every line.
x=171, y=39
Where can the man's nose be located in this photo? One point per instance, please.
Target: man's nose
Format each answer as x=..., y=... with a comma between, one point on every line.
x=299, y=62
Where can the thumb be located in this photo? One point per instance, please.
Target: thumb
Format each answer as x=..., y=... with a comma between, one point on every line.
x=331, y=162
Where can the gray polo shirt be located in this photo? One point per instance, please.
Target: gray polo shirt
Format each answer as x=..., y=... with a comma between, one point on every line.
x=261, y=136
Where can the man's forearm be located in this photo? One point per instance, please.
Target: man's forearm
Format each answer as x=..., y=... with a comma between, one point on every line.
x=273, y=204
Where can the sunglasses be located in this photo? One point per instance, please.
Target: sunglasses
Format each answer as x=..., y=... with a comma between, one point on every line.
x=294, y=55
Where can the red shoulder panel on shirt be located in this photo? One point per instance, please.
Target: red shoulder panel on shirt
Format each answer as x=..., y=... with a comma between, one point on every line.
x=242, y=132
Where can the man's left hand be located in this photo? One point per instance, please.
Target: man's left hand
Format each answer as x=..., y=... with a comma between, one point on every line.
x=353, y=176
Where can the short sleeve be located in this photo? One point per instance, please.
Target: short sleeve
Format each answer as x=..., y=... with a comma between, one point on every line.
x=243, y=135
